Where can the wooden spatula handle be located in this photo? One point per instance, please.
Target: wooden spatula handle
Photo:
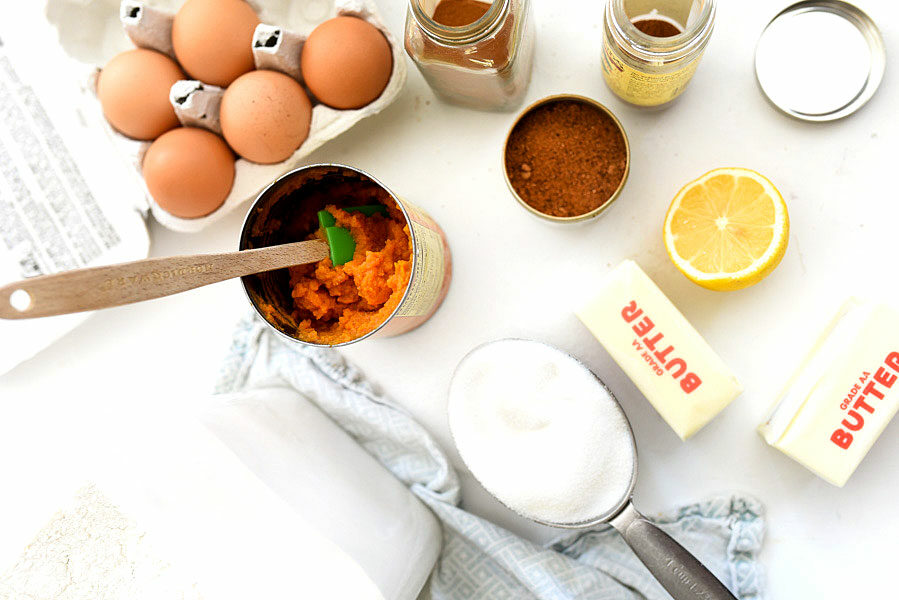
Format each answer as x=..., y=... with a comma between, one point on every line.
x=114, y=285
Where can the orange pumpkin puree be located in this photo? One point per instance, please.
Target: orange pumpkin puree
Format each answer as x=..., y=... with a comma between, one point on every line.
x=340, y=304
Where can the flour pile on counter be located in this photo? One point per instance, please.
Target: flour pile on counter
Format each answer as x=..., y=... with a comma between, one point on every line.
x=92, y=550
x=540, y=432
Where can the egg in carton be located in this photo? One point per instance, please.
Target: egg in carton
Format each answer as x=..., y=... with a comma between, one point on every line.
x=197, y=104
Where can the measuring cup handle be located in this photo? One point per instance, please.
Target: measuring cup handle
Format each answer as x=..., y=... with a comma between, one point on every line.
x=679, y=572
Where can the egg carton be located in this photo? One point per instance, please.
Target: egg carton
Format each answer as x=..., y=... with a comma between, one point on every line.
x=94, y=31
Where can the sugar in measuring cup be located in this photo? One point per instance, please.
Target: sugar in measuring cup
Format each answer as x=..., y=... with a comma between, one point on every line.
x=545, y=436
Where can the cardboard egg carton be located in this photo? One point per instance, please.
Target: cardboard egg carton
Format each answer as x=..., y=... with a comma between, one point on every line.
x=277, y=44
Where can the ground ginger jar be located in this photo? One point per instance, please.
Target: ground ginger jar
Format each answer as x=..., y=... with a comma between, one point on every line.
x=473, y=53
x=651, y=48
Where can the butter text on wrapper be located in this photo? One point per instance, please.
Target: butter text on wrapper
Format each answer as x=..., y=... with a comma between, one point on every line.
x=855, y=418
x=661, y=352
x=843, y=395
x=657, y=359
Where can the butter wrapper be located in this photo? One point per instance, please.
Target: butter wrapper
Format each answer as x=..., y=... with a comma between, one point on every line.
x=844, y=394
x=665, y=357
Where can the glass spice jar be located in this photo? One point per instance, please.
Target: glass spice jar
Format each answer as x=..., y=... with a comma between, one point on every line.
x=651, y=48
x=484, y=64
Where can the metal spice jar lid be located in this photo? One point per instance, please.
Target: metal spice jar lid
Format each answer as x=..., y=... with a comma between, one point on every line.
x=820, y=60
x=566, y=158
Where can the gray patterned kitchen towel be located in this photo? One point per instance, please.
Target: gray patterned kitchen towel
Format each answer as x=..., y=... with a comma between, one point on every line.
x=481, y=560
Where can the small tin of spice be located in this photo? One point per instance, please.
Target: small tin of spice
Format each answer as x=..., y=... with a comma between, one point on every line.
x=566, y=159
x=284, y=211
x=820, y=60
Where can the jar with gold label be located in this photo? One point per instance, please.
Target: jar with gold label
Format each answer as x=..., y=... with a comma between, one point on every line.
x=651, y=48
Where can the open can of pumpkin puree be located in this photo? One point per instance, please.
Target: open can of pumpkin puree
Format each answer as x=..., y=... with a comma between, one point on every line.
x=398, y=277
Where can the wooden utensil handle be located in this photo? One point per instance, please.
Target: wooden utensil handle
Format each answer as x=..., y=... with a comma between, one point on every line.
x=114, y=285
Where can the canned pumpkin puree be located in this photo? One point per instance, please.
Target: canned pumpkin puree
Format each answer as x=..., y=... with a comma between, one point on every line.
x=399, y=275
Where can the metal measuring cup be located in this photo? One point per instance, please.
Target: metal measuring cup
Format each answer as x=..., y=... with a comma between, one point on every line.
x=678, y=571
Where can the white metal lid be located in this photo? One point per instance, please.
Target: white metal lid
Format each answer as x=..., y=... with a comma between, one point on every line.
x=820, y=60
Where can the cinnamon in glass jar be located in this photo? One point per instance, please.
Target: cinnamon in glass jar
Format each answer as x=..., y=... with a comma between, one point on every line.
x=473, y=53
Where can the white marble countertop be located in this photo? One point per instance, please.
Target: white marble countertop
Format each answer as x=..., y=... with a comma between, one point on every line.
x=515, y=276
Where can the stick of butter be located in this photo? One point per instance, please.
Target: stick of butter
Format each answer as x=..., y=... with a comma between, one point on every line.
x=665, y=357
x=845, y=392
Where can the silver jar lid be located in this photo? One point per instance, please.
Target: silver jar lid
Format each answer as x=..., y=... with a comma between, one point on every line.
x=820, y=60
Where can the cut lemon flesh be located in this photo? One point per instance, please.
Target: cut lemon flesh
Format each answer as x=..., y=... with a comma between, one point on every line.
x=728, y=229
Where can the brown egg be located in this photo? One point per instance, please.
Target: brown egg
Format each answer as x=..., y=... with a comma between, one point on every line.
x=133, y=89
x=265, y=116
x=346, y=62
x=213, y=39
x=189, y=172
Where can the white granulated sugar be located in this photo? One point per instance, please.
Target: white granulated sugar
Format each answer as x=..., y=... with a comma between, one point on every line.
x=92, y=551
x=540, y=432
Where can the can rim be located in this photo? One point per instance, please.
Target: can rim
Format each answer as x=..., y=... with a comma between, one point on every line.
x=292, y=173
x=592, y=214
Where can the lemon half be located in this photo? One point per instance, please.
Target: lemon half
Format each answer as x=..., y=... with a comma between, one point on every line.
x=728, y=229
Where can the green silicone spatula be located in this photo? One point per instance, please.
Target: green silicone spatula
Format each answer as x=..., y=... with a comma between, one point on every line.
x=340, y=240
x=342, y=245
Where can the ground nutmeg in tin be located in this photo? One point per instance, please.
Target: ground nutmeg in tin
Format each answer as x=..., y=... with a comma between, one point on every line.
x=566, y=157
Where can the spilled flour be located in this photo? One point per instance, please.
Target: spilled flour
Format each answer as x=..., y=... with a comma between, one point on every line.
x=92, y=551
x=540, y=432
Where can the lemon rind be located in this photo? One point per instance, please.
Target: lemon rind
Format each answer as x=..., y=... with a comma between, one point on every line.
x=761, y=266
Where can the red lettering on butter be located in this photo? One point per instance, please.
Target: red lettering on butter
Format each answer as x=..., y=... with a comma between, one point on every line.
x=860, y=403
x=643, y=327
x=892, y=361
x=658, y=359
x=866, y=400
x=841, y=439
x=663, y=354
x=681, y=367
x=690, y=382
x=857, y=423
x=884, y=378
x=631, y=312
x=651, y=343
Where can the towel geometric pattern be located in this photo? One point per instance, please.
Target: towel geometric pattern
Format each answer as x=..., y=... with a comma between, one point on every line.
x=481, y=560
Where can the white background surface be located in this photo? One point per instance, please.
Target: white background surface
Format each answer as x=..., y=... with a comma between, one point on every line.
x=515, y=276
